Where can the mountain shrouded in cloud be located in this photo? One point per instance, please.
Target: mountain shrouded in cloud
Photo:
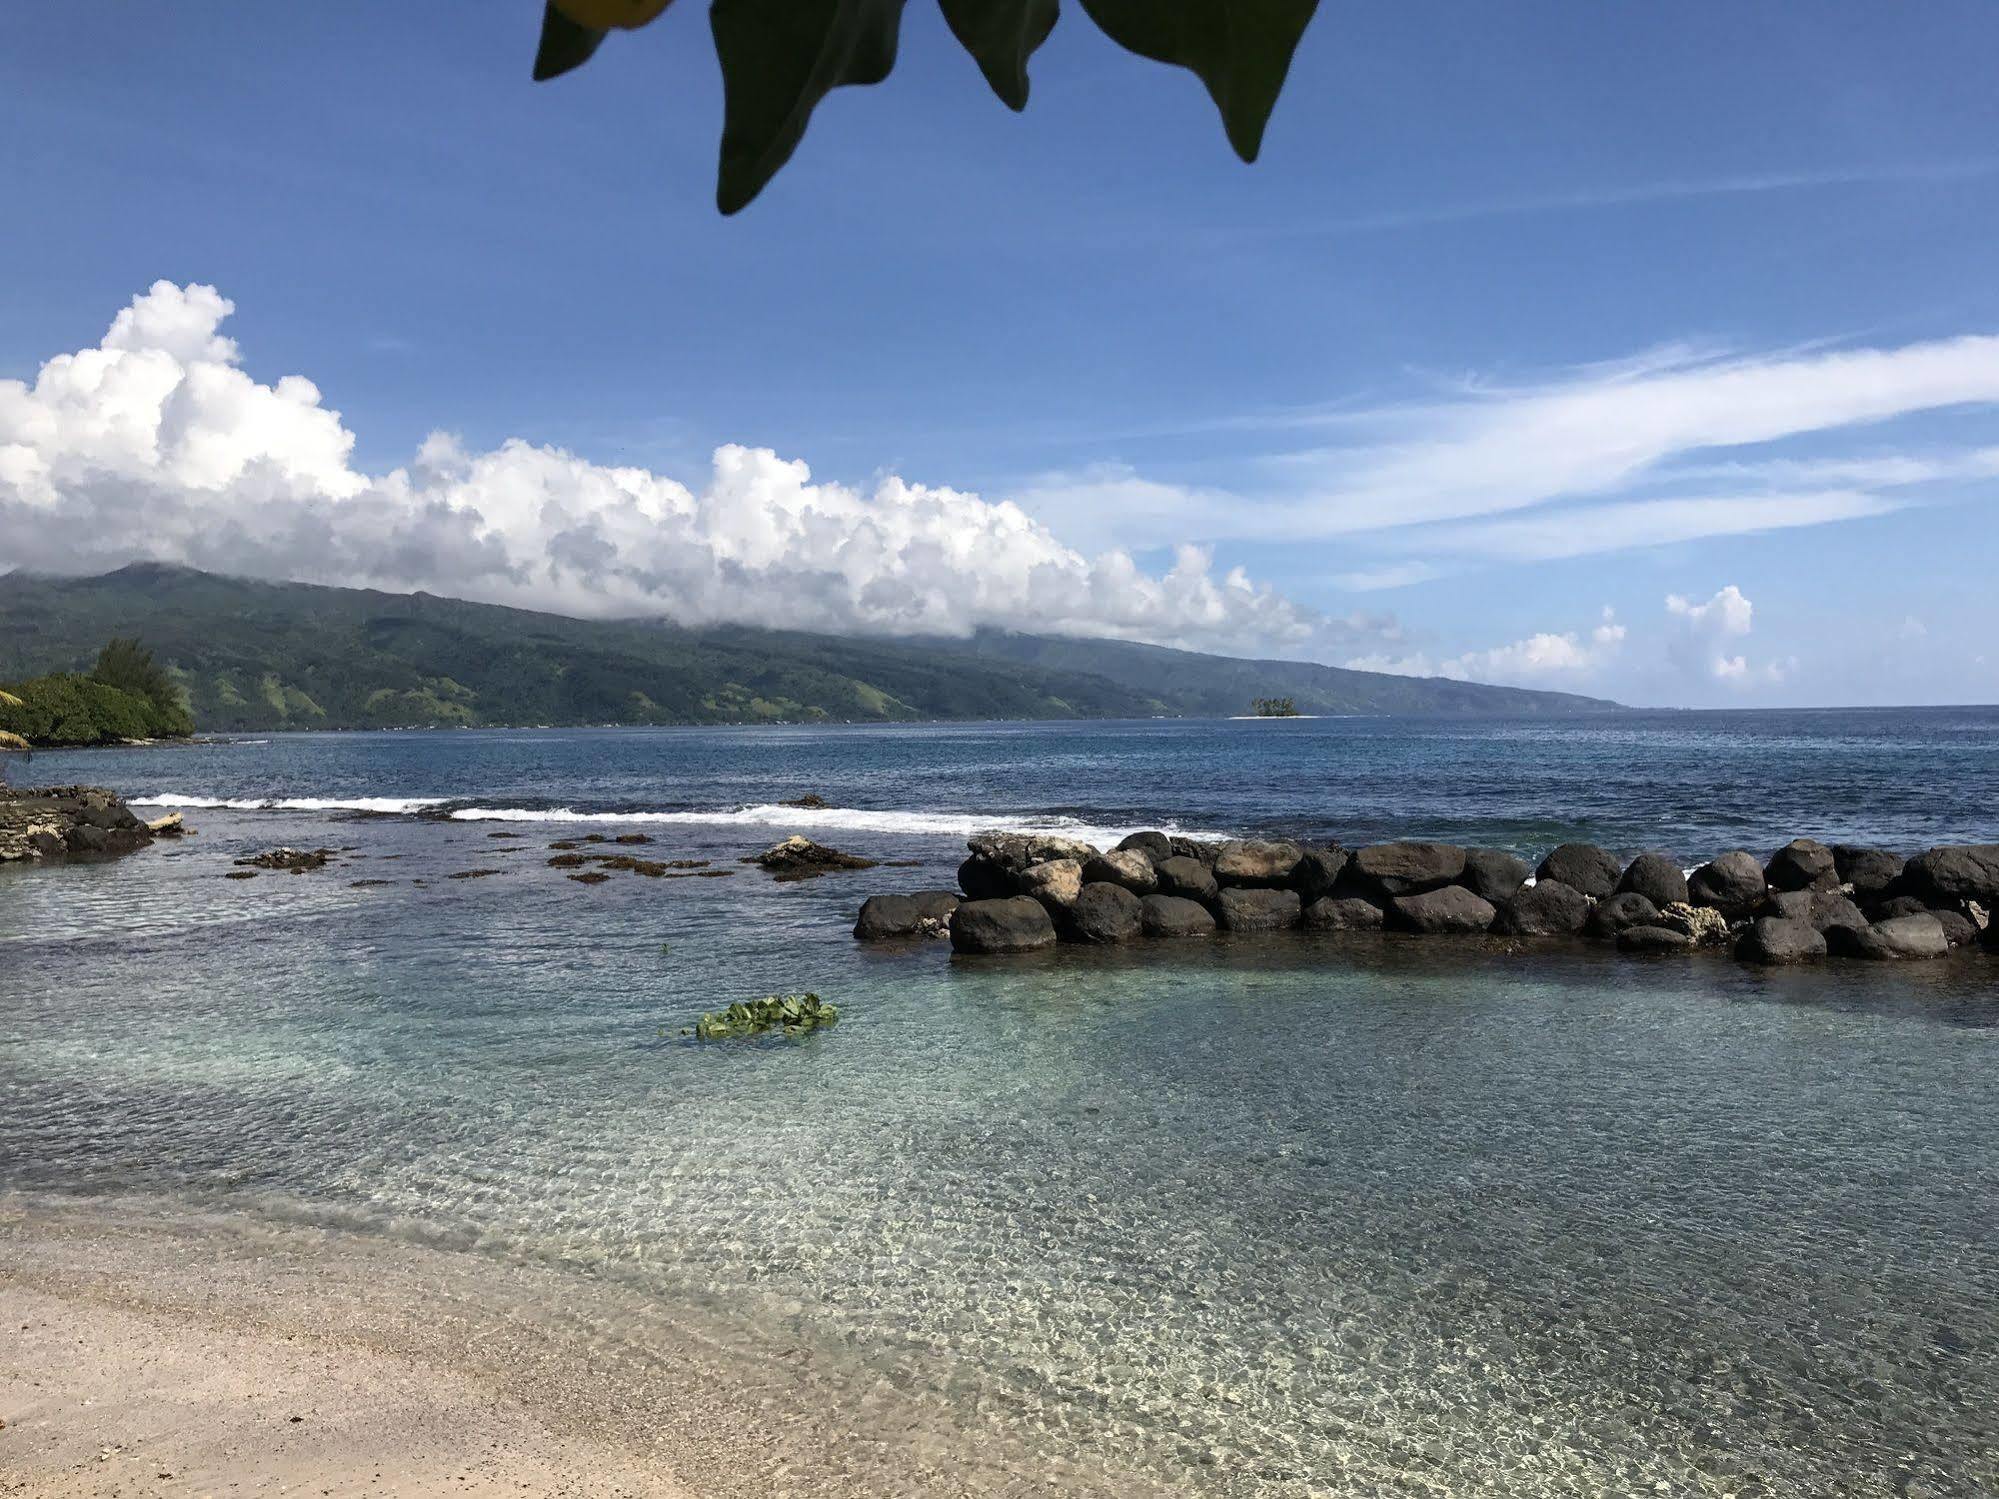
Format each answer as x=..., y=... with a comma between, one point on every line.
x=158, y=445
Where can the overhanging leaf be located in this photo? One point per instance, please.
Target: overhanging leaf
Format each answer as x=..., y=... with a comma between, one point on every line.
x=1240, y=48
x=564, y=44
x=1001, y=35
x=779, y=59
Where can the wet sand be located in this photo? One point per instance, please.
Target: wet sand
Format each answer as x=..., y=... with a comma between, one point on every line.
x=156, y=1355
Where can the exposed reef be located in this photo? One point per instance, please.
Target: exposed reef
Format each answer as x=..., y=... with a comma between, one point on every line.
x=68, y=822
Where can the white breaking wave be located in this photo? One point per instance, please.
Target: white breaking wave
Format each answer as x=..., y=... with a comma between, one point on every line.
x=763, y=814
x=396, y=805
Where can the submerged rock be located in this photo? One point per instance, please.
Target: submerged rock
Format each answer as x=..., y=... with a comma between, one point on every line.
x=1453, y=909
x=1016, y=923
x=290, y=860
x=1546, y=908
x=1187, y=877
x=1174, y=916
x=799, y=858
x=1775, y=940
x=1345, y=913
x=1255, y=909
x=1582, y=866
x=1103, y=913
x=1656, y=877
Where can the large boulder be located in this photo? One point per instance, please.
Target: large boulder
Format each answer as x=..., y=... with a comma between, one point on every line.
x=925, y=913
x=1104, y=913
x=1546, y=908
x=1872, y=872
x=1407, y=868
x=1967, y=871
x=1174, y=916
x=1614, y=913
x=999, y=859
x=1318, y=872
x=1198, y=849
x=1185, y=876
x=1959, y=930
x=1802, y=864
x=1819, y=909
x=1656, y=877
x=1127, y=867
x=1055, y=883
x=1493, y=874
x=1899, y=937
x=1653, y=939
x=1773, y=940
x=1256, y=863
x=1732, y=883
x=1897, y=905
x=988, y=879
x=1450, y=910
x=1018, y=923
x=1155, y=846
x=1582, y=866
x=1347, y=913
x=1255, y=909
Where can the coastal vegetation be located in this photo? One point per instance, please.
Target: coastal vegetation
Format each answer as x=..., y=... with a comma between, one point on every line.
x=125, y=696
x=259, y=656
x=1275, y=707
x=781, y=57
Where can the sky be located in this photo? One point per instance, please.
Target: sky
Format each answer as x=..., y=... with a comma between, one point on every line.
x=1644, y=351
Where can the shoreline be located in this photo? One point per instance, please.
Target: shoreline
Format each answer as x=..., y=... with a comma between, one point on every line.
x=167, y=1351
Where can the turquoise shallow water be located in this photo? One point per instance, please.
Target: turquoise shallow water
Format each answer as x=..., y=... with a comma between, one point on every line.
x=1279, y=1217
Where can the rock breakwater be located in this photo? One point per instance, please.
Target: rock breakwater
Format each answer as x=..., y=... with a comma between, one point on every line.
x=66, y=822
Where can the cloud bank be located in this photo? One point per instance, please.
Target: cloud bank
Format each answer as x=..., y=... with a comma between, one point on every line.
x=158, y=445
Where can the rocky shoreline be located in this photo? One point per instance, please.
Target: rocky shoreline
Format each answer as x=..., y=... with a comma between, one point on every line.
x=1805, y=902
x=65, y=822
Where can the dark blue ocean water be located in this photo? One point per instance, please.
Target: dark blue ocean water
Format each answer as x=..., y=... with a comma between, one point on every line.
x=1274, y=1217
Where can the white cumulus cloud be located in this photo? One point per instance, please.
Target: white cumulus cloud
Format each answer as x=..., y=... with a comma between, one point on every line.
x=1702, y=634
x=157, y=444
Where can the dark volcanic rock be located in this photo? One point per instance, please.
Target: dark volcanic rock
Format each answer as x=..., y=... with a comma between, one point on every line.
x=1872, y=872
x=923, y=914
x=1104, y=913
x=1613, y=914
x=1016, y=924
x=797, y=858
x=1802, y=864
x=1775, y=940
x=1493, y=874
x=1819, y=909
x=1657, y=878
x=1897, y=905
x=1546, y=908
x=1582, y=866
x=1249, y=909
x=1733, y=883
x=55, y=822
x=1899, y=937
x=988, y=879
x=1185, y=876
x=1256, y=863
x=1174, y=916
x=1407, y=868
x=1959, y=930
x=1343, y=914
x=1196, y=849
x=1452, y=909
x=1155, y=846
x=1318, y=872
x=290, y=860
x=1654, y=939
x=1967, y=871
x=1127, y=867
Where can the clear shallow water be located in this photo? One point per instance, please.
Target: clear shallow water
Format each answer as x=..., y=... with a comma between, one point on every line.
x=1269, y=1218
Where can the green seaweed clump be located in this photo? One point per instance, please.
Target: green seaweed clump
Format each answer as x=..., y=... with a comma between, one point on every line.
x=794, y=1014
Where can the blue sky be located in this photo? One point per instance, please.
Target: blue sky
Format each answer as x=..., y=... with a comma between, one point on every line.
x=1531, y=321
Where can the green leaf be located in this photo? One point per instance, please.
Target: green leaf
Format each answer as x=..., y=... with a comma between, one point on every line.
x=1240, y=48
x=779, y=59
x=1001, y=35
x=564, y=44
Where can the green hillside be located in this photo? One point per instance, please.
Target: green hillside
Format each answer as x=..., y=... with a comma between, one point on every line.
x=250, y=655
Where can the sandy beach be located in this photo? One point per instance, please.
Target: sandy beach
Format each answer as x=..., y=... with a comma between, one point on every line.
x=201, y=1356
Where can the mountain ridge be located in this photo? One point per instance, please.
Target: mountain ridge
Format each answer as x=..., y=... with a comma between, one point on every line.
x=259, y=656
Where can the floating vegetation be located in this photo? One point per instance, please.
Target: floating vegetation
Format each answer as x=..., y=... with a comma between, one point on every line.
x=794, y=1014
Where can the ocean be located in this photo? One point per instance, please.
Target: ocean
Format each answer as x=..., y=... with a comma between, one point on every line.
x=1270, y=1217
